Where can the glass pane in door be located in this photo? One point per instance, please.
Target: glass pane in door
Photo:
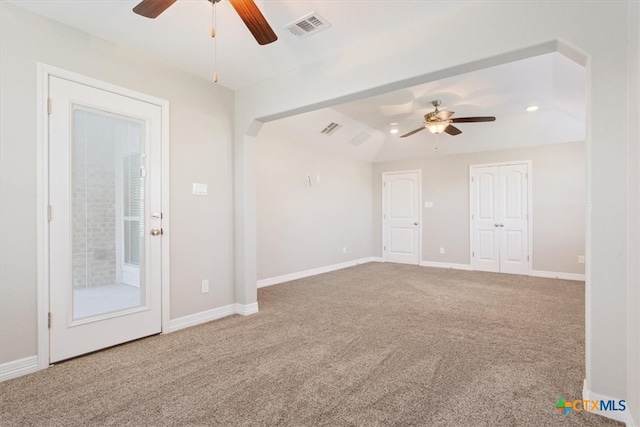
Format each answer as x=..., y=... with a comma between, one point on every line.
x=107, y=213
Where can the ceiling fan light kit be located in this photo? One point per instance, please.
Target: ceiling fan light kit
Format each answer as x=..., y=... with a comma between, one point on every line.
x=440, y=121
x=436, y=127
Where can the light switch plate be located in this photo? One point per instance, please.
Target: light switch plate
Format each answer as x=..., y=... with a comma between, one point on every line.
x=428, y=204
x=199, y=189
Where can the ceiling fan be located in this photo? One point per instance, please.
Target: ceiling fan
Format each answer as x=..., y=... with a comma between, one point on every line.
x=440, y=121
x=247, y=9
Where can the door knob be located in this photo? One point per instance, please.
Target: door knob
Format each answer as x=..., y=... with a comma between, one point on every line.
x=501, y=225
x=156, y=231
x=496, y=225
x=415, y=223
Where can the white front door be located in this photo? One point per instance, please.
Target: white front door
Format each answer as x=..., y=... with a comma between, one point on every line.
x=105, y=199
x=499, y=212
x=401, y=217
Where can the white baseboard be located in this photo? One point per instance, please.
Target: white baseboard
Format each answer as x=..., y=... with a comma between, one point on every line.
x=18, y=368
x=377, y=259
x=557, y=275
x=622, y=416
x=209, y=315
x=246, y=310
x=452, y=266
x=314, y=271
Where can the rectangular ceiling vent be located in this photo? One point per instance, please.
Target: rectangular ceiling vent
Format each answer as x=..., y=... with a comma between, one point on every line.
x=360, y=138
x=308, y=25
x=330, y=128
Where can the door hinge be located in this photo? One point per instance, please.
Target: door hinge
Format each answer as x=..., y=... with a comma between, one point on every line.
x=384, y=248
x=48, y=105
x=472, y=216
x=49, y=320
x=473, y=254
x=527, y=257
x=472, y=179
x=384, y=184
x=49, y=213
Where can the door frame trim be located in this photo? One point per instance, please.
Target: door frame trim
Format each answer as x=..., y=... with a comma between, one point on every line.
x=44, y=71
x=529, y=208
x=384, y=174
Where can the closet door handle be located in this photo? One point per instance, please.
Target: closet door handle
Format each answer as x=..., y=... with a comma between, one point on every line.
x=501, y=225
x=496, y=225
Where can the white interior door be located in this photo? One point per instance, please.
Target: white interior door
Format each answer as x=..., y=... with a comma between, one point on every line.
x=500, y=204
x=514, y=233
x=105, y=199
x=401, y=217
x=485, y=183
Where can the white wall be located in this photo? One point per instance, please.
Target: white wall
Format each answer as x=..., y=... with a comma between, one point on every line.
x=501, y=32
x=558, y=198
x=634, y=214
x=201, y=151
x=302, y=227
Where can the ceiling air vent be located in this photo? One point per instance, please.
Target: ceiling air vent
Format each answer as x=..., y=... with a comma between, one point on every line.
x=360, y=138
x=307, y=25
x=330, y=128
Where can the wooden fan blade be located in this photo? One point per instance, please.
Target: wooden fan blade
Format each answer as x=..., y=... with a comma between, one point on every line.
x=444, y=115
x=152, y=8
x=255, y=21
x=473, y=119
x=452, y=130
x=412, y=132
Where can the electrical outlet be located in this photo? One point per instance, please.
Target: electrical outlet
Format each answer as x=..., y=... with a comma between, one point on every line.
x=344, y=250
x=205, y=286
x=580, y=259
x=442, y=250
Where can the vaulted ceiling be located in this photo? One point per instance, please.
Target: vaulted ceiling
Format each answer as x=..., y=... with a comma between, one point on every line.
x=552, y=82
x=180, y=37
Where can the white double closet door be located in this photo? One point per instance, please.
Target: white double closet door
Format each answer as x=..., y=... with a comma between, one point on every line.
x=500, y=218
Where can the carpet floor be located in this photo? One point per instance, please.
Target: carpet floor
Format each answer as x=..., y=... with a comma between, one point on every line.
x=373, y=345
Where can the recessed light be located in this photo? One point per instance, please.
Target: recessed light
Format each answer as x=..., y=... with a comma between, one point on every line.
x=394, y=131
x=531, y=108
x=394, y=124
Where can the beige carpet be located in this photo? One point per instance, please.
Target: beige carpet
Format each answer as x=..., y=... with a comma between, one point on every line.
x=373, y=345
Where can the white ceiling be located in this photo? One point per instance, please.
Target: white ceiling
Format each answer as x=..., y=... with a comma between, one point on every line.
x=553, y=82
x=180, y=37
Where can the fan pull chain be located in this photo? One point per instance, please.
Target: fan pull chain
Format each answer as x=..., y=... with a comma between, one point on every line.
x=215, y=41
